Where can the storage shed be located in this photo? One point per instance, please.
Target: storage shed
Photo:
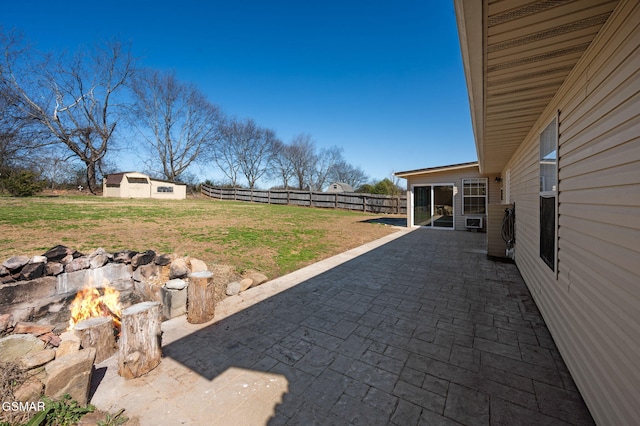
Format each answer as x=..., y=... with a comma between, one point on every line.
x=139, y=185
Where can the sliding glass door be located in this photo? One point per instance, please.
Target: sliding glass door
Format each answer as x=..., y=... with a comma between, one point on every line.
x=433, y=206
x=443, y=206
x=422, y=205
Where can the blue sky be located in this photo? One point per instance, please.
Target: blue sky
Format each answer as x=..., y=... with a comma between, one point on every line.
x=383, y=80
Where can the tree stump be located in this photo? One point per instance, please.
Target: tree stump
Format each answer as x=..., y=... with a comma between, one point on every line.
x=140, y=340
x=200, y=297
x=97, y=333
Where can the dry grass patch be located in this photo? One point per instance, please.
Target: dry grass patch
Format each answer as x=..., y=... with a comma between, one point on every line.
x=272, y=239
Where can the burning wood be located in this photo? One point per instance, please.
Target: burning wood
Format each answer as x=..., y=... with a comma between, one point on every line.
x=89, y=303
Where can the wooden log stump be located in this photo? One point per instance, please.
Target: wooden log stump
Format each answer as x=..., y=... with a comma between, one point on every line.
x=140, y=340
x=200, y=297
x=97, y=333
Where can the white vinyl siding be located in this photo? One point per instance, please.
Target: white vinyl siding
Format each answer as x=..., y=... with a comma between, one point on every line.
x=593, y=309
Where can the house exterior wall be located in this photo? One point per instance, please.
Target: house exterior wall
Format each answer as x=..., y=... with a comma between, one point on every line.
x=452, y=177
x=591, y=303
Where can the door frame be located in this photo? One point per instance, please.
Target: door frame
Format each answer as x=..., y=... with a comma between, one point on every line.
x=431, y=185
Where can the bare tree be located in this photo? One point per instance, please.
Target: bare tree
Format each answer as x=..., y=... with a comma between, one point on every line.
x=324, y=162
x=342, y=171
x=20, y=137
x=281, y=167
x=74, y=100
x=10, y=131
x=245, y=148
x=301, y=153
x=54, y=166
x=177, y=121
x=225, y=154
x=397, y=189
x=255, y=151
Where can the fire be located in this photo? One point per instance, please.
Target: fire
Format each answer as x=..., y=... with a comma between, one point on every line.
x=90, y=304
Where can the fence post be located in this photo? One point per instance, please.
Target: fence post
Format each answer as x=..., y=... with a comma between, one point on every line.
x=364, y=203
x=310, y=198
x=336, y=206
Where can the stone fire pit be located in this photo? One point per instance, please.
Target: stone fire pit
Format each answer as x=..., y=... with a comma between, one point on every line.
x=36, y=294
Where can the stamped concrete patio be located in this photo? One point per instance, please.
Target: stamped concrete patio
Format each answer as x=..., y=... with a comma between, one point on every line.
x=416, y=328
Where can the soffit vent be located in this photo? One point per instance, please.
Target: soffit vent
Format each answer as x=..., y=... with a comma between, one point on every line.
x=552, y=32
x=529, y=9
x=530, y=46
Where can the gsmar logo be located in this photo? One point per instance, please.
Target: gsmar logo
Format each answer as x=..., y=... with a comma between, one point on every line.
x=23, y=406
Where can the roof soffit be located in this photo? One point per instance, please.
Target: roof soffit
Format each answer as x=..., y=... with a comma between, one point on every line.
x=530, y=47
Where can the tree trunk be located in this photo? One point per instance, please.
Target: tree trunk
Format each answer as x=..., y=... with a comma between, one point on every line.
x=91, y=176
x=200, y=297
x=140, y=340
x=97, y=333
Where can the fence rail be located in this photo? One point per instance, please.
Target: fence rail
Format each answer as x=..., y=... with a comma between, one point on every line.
x=369, y=203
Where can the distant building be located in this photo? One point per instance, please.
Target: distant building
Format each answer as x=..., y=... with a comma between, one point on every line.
x=138, y=185
x=340, y=187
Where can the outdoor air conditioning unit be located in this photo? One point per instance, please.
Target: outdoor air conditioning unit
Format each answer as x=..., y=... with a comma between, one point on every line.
x=473, y=222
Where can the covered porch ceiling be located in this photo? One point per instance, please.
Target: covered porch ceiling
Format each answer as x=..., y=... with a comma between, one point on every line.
x=516, y=55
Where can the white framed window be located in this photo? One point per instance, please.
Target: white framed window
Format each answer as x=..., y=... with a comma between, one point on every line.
x=548, y=165
x=165, y=189
x=474, y=196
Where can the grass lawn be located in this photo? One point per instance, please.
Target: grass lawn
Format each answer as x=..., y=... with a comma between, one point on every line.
x=269, y=238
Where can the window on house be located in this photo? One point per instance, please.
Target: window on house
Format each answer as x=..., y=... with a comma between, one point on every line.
x=165, y=189
x=548, y=193
x=474, y=196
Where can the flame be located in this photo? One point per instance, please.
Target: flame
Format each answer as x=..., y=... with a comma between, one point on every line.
x=90, y=304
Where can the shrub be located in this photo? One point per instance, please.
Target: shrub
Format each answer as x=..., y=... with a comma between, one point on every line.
x=62, y=412
x=23, y=183
x=385, y=187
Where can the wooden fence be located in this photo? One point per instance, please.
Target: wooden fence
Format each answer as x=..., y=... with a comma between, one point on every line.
x=371, y=203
